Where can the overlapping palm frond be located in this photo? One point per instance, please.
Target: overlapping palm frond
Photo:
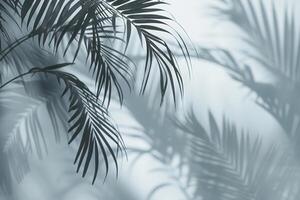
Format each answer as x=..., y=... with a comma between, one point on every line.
x=89, y=118
x=218, y=163
x=273, y=35
x=226, y=164
x=158, y=132
x=279, y=99
x=53, y=22
x=92, y=28
x=145, y=17
x=24, y=135
x=49, y=95
x=20, y=136
x=7, y=7
x=275, y=41
x=94, y=24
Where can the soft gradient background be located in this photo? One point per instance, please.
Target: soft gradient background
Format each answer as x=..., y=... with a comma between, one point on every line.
x=209, y=87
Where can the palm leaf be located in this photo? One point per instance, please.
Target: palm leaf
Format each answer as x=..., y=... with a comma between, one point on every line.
x=273, y=35
x=49, y=95
x=90, y=119
x=20, y=136
x=278, y=99
x=7, y=11
x=92, y=22
x=145, y=17
x=23, y=136
x=275, y=38
x=229, y=165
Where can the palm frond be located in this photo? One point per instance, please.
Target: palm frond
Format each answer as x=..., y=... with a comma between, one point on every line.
x=82, y=23
x=89, y=118
x=7, y=10
x=226, y=164
x=145, y=17
x=279, y=99
x=218, y=163
x=274, y=37
x=164, y=144
x=272, y=34
x=49, y=95
x=90, y=23
x=21, y=135
x=17, y=62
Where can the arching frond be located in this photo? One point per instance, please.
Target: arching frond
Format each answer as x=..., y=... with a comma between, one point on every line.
x=92, y=28
x=226, y=164
x=145, y=17
x=90, y=119
x=274, y=35
x=279, y=99
x=216, y=163
x=92, y=23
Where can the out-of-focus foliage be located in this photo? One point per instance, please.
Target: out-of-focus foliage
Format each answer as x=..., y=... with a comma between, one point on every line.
x=271, y=40
x=37, y=35
x=203, y=158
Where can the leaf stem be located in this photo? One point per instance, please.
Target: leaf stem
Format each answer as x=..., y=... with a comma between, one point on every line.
x=15, y=44
x=37, y=70
x=15, y=78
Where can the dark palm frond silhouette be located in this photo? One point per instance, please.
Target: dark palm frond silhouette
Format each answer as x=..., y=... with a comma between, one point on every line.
x=92, y=28
x=226, y=164
x=89, y=23
x=91, y=119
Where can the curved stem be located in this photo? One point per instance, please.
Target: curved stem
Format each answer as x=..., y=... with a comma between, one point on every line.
x=15, y=78
x=15, y=44
x=37, y=70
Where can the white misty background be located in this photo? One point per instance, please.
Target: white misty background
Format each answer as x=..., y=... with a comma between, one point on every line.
x=145, y=125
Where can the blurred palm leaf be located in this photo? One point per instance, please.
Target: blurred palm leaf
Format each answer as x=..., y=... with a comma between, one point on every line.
x=24, y=135
x=278, y=99
x=273, y=35
x=21, y=134
x=274, y=40
x=274, y=45
x=222, y=163
x=226, y=164
x=163, y=142
x=7, y=8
